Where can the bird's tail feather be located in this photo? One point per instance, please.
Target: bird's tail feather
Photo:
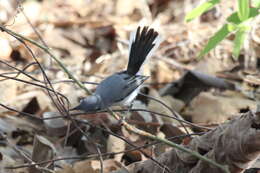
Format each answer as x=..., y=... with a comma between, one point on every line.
x=142, y=45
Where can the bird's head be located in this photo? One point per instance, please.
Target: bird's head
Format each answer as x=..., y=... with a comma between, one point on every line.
x=88, y=104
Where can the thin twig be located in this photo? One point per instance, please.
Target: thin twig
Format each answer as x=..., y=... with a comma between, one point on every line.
x=58, y=106
x=116, y=116
x=91, y=156
x=177, y=116
x=47, y=50
x=20, y=71
x=35, y=84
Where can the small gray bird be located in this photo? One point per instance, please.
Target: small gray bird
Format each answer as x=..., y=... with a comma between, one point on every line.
x=122, y=88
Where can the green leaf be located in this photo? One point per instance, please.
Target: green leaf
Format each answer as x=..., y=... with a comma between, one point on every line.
x=233, y=18
x=239, y=40
x=233, y=23
x=243, y=9
x=217, y=38
x=200, y=9
x=256, y=3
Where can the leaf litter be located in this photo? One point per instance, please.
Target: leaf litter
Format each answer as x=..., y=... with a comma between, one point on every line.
x=91, y=39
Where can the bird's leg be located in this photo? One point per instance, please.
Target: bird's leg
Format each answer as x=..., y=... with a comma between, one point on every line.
x=129, y=107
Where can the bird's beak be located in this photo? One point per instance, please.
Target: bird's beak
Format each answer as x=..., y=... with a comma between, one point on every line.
x=75, y=108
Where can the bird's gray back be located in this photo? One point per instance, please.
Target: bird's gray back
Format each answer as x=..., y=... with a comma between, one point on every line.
x=112, y=89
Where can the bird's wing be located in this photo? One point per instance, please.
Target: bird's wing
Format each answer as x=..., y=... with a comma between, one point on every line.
x=117, y=87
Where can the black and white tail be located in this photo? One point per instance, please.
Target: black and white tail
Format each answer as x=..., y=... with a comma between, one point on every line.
x=142, y=45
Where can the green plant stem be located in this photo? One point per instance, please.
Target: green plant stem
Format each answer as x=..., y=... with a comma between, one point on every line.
x=117, y=117
x=47, y=50
x=172, y=144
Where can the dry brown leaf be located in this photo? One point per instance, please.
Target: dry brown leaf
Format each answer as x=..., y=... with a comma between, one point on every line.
x=209, y=108
x=43, y=150
x=213, y=65
x=176, y=104
x=8, y=161
x=5, y=48
x=93, y=166
x=234, y=144
x=6, y=10
x=89, y=166
x=32, y=9
x=125, y=7
x=158, y=107
x=163, y=72
x=65, y=169
x=100, y=58
x=8, y=94
x=115, y=144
